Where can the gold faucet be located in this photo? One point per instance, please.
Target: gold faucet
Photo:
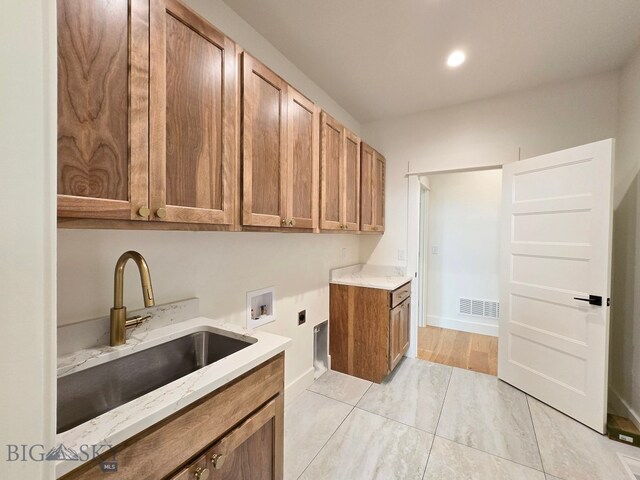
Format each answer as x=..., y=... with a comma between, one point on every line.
x=119, y=320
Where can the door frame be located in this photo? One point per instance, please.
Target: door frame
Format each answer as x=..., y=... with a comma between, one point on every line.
x=423, y=250
x=414, y=186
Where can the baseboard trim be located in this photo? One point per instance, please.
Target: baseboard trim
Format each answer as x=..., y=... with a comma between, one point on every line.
x=463, y=325
x=297, y=386
x=622, y=407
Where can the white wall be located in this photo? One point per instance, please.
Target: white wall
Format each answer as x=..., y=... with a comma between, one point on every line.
x=624, y=371
x=232, y=25
x=217, y=267
x=485, y=133
x=464, y=213
x=27, y=241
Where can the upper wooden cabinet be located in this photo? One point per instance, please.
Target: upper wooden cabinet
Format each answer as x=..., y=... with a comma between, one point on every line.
x=339, y=176
x=152, y=100
x=146, y=113
x=372, y=192
x=264, y=145
x=279, y=151
x=303, y=161
x=192, y=114
x=103, y=95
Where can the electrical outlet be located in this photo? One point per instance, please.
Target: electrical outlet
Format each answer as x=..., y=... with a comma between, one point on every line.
x=401, y=255
x=435, y=250
x=302, y=317
x=344, y=253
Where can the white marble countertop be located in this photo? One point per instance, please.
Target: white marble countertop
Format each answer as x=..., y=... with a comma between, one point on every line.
x=121, y=423
x=370, y=276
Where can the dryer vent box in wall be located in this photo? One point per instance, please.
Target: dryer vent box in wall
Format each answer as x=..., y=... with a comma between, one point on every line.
x=320, y=349
x=261, y=307
x=479, y=308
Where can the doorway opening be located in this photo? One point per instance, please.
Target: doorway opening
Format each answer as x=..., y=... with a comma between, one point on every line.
x=554, y=257
x=459, y=269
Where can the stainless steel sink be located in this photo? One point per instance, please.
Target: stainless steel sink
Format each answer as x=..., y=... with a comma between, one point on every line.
x=88, y=393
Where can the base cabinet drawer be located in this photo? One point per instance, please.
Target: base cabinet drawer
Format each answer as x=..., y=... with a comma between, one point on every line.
x=399, y=295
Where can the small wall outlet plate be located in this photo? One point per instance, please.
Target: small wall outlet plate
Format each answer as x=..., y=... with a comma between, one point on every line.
x=302, y=317
x=261, y=307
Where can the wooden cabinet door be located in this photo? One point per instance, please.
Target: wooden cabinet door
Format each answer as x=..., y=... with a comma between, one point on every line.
x=339, y=176
x=399, y=324
x=264, y=149
x=303, y=170
x=331, y=173
x=395, y=336
x=192, y=114
x=367, y=182
x=351, y=185
x=103, y=52
x=372, y=190
x=406, y=324
x=378, y=191
x=253, y=450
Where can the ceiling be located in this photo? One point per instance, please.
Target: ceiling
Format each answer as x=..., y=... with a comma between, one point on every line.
x=385, y=58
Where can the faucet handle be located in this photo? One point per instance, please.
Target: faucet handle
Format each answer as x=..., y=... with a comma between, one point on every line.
x=137, y=320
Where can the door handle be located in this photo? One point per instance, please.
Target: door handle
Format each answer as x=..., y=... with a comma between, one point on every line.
x=593, y=300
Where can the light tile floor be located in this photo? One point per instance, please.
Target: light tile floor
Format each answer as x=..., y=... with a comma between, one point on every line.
x=433, y=422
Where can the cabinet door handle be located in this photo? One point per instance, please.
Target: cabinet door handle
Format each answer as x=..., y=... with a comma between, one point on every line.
x=217, y=460
x=201, y=473
x=283, y=222
x=161, y=212
x=144, y=211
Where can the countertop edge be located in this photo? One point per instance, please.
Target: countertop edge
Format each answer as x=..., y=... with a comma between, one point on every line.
x=366, y=283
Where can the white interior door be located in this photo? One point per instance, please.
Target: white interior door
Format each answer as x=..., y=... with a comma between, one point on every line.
x=555, y=256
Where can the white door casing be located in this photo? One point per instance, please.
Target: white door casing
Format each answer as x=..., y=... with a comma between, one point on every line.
x=555, y=246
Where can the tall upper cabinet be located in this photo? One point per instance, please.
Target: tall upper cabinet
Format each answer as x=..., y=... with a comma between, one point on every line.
x=372, y=190
x=303, y=167
x=192, y=114
x=103, y=50
x=339, y=176
x=279, y=151
x=146, y=113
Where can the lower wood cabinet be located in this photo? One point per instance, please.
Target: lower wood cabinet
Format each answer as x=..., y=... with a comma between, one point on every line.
x=368, y=329
x=235, y=433
x=247, y=452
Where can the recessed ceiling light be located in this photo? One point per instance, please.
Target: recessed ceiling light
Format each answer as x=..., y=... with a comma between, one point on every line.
x=456, y=58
